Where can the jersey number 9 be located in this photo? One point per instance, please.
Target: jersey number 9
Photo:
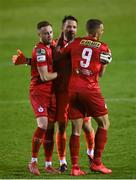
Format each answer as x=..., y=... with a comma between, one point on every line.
x=86, y=57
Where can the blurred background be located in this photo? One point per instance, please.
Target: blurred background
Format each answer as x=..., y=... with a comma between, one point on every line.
x=18, y=20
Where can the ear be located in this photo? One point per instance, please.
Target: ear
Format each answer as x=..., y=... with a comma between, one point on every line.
x=95, y=34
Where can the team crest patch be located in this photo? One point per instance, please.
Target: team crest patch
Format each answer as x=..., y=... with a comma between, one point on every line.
x=40, y=109
x=40, y=52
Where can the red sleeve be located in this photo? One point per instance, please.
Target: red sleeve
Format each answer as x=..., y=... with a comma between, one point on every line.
x=40, y=57
x=61, y=53
x=67, y=48
x=105, y=48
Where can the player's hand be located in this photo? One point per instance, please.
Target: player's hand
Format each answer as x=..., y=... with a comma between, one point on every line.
x=105, y=57
x=19, y=58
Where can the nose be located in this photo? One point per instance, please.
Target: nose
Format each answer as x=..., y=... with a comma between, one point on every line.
x=49, y=35
x=72, y=29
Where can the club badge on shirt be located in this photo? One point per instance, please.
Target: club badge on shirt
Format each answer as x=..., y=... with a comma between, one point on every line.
x=40, y=52
x=40, y=109
x=41, y=55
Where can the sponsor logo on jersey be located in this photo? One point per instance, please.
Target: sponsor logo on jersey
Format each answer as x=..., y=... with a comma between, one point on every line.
x=91, y=43
x=40, y=52
x=41, y=58
x=40, y=109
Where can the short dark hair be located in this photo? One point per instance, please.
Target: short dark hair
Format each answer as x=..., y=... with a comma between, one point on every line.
x=43, y=24
x=69, y=18
x=92, y=25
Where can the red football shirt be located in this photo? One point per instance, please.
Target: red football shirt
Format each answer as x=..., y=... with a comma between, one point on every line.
x=85, y=58
x=41, y=56
x=63, y=66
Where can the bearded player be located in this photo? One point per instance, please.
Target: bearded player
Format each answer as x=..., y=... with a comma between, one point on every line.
x=89, y=57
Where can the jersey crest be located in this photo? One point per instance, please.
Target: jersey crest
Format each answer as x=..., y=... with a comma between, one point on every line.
x=40, y=52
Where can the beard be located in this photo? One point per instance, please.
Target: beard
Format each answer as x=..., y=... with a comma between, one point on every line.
x=47, y=42
x=70, y=35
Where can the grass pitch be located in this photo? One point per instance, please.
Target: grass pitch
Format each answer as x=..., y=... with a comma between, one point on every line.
x=17, y=30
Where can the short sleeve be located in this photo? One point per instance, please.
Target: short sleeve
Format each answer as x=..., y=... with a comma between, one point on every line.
x=40, y=56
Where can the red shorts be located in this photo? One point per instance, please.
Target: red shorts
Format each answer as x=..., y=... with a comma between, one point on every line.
x=62, y=107
x=86, y=103
x=41, y=102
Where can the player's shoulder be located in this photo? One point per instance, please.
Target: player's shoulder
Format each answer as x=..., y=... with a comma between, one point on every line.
x=77, y=38
x=104, y=46
x=39, y=49
x=39, y=45
x=103, y=43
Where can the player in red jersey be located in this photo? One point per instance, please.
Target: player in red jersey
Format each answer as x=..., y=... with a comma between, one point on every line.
x=48, y=141
x=89, y=57
x=69, y=29
x=41, y=88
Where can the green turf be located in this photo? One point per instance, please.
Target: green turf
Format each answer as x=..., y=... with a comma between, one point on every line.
x=18, y=19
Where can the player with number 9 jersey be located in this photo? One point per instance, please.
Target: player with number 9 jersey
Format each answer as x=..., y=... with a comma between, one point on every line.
x=86, y=66
x=88, y=58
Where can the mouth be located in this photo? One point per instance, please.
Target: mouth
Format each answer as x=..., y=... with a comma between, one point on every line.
x=71, y=34
x=50, y=39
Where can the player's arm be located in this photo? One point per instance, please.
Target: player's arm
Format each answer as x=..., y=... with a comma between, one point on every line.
x=45, y=75
x=102, y=70
x=20, y=58
x=57, y=54
x=60, y=42
x=61, y=51
x=105, y=57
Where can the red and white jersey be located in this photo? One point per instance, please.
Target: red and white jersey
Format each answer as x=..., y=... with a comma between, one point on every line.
x=41, y=56
x=85, y=58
